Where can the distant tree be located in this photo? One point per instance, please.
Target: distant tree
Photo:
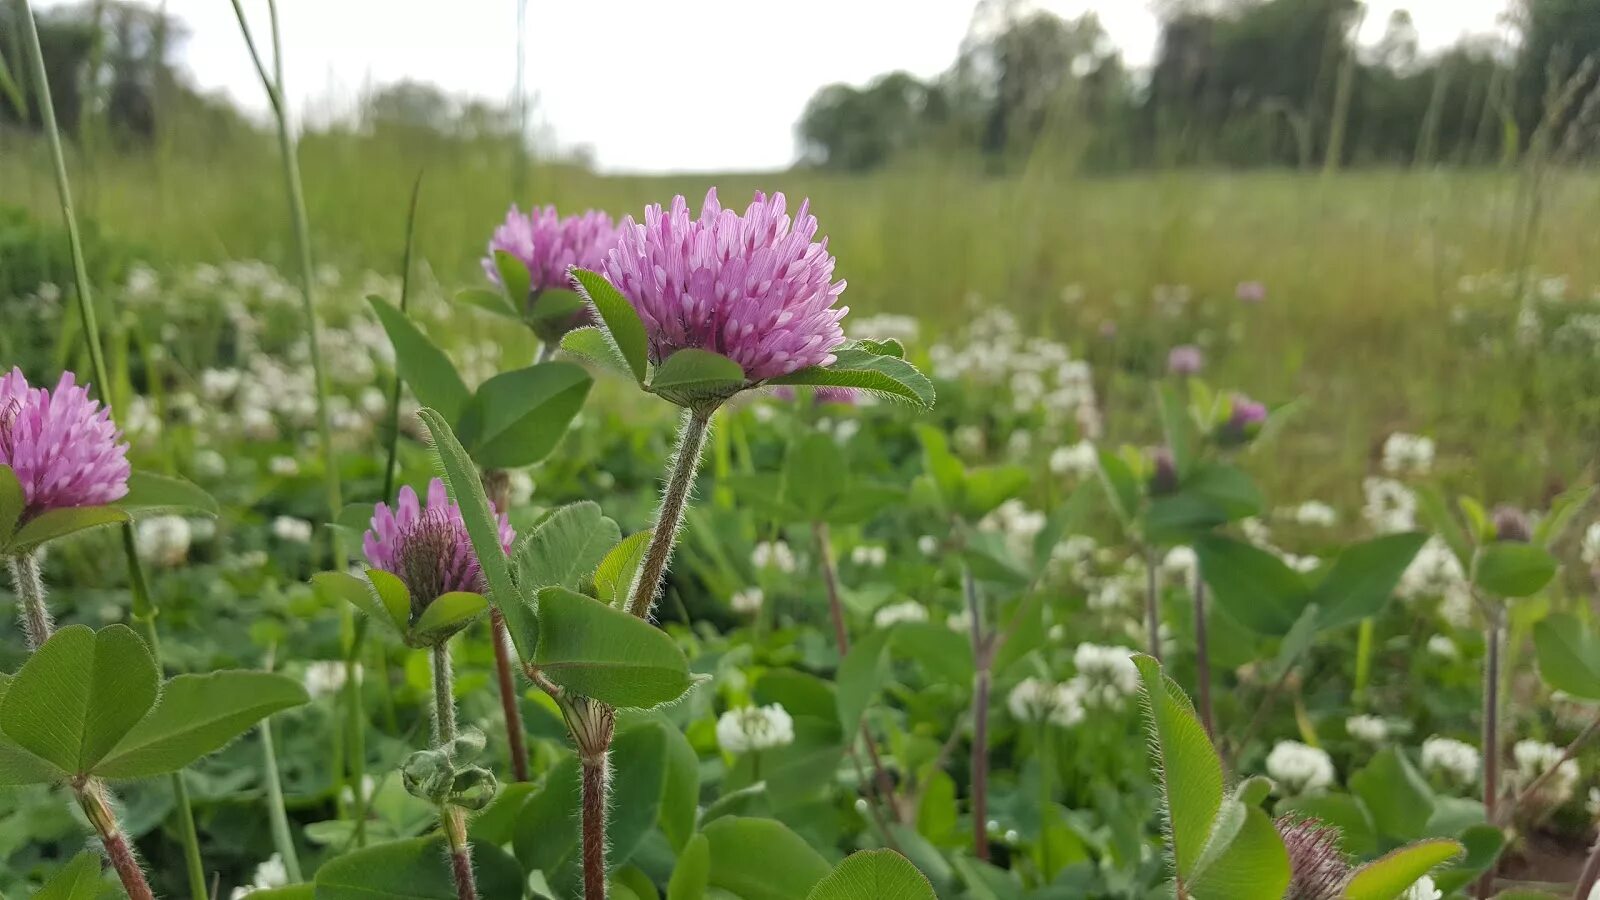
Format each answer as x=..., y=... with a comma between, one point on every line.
x=1558, y=38
x=855, y=129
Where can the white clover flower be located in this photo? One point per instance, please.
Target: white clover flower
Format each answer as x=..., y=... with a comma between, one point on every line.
x=748, y=601
x=1433, y=572
x=283, y=466
x=1314, y=513
x=960, y=623
x=754, y=728
x=519, y=487
x=1591, y=545
x=1407, y=454
x=324, y=677
x=292, y=530
x=868, y=555
x=1535, y=758
x=1180, y=564
x=1036, y=700
x=773, y=554
x=1300, y=769
x=1110, y=594
x=1592, y=805
x=368, y=786
x=1256, y=532
x=1106, y=676
x=1444, y=647
x=1423, y=889
x=1390, y=506
x=1371, y=729
x=1457, y=761
x=928, y=545
x=895, y=613
x=164, y=540
x=210, y=464
x=1079, y=460
x=270, y=874
x=969, y=440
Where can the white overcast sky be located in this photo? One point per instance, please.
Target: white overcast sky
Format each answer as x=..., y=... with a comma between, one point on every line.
x=653, y=85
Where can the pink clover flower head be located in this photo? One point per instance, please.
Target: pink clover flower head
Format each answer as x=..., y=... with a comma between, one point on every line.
x=757, y=288
x=63, y=446
x=1185, y=359
x=548, y=245
x=427, y=547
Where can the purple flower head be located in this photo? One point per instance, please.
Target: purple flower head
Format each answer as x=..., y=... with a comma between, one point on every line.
x=549, y=245
x=1511, y=524
x=427, y=548
x=1250, y=292
x=755, y=288
x=1244, y=421
x=1185, y=359
x=1163, y=472
x=63, y=446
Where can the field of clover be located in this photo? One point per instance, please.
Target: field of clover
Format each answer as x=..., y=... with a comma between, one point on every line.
x=639, y=569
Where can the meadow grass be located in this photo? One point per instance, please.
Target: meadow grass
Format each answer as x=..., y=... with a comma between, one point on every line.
x=1362, y=269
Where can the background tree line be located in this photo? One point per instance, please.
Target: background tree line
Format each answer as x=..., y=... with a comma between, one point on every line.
x=1233, y=82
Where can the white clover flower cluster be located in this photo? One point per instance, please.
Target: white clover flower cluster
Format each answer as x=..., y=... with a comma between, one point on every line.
x=1076, y=555
x=888, y=327
x=1371, y=729
x=1457, y=761
x=1106, y=676
x=748, y=601
x=1436, y=572
x=895, y=613
x=1258, y=533
x=1390, y=506
x=164, y=540
x=755, y=728
x=1312, y=513
x=1017, y=523
x=1080, y=460
x=1422, y=889
x=292, y=530
x=869, y=555
x=1300, y=769
x=928, y=545
x=1036, y=700
x=270, y=874
x=773, y=554
x=1407, y=454
x=1444, y=647
x=1591, y=546
x=1041, y=375
x=1180, y=565
x=959, y=622
x=325, y=677
x=1535, y=758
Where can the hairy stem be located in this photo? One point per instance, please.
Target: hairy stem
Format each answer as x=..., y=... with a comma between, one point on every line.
x=1202, y=660
x=92, y=799
x=981, y=685
x=669, y=518
x=453, y=819
x=596, y=784
x=33, y=608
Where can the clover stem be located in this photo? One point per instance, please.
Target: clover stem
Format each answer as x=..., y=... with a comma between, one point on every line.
x=452, y=818
x=29, y=587
x=669, y=518
x=1591, y=874
x=596, y=783
x=497, y=486
x=92, y=799
x=1152, y=604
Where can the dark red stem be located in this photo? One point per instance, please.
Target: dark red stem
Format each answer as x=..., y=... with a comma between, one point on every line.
x=508, y=697
x=594, y=830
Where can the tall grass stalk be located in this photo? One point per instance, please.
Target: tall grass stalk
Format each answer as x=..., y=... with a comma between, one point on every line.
x=143, y=607
x=277, y=813
x=273, y=84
